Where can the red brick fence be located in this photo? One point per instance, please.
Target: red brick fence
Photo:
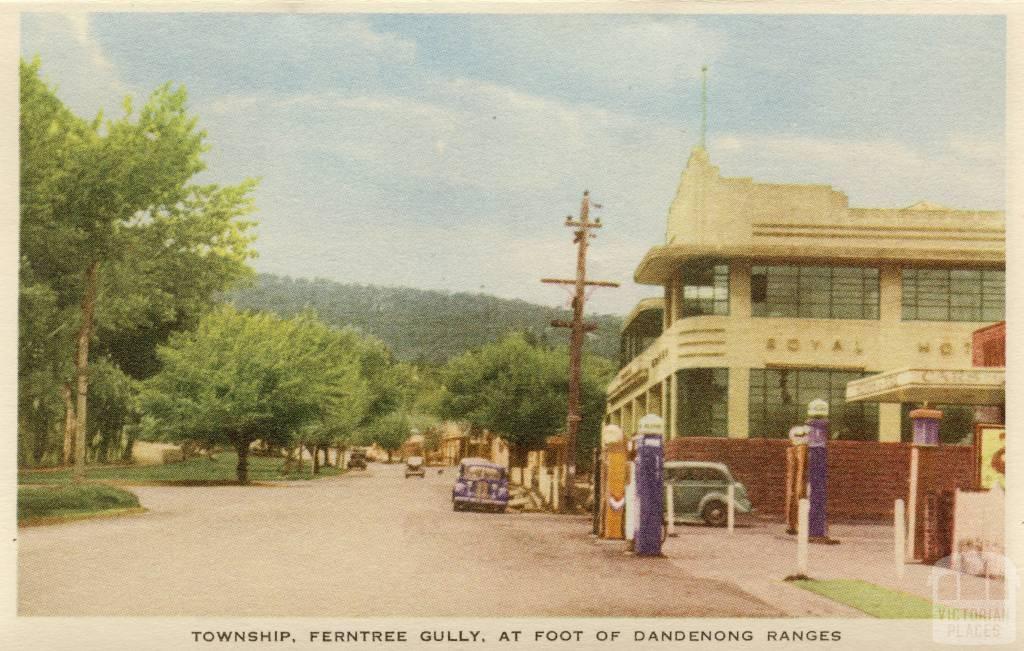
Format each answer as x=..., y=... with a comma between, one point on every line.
x=864, y=478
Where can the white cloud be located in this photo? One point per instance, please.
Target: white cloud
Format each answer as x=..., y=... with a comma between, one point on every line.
x=464, y=132
x=959, y=172
x=73, y=60
x=359, y=36
x=521, y=159
x=639, y=51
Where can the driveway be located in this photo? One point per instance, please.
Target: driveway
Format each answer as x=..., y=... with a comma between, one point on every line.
x=367, y=544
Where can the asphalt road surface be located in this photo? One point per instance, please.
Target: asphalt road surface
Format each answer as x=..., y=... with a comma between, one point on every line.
x=370, y=543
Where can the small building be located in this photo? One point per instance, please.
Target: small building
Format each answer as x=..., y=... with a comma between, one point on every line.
x=454, y=442
x=413, y=447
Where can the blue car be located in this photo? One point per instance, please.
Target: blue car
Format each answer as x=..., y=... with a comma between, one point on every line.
x=481, y=485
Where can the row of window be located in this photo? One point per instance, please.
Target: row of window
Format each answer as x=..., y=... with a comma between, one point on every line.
x=778, y=400
x=827, y=292
x=640, y=334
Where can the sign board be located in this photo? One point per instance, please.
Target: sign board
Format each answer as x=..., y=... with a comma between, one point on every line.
x=817, y=408
x=990, y=442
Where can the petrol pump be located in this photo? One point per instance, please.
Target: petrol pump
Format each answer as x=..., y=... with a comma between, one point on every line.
x=613, y=483
x=817, y=471
x=648, y=454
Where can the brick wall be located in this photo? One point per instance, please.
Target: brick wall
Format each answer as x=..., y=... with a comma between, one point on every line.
x=988, y=345
x=864, y=478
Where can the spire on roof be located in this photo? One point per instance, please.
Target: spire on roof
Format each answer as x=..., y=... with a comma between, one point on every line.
x=703, y=105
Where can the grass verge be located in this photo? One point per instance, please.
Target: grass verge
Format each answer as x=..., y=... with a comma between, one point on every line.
x=58, y=503
x=869, y=598
x=195, y=472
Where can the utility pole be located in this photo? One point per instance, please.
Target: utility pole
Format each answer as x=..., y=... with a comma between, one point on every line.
x=581, y=236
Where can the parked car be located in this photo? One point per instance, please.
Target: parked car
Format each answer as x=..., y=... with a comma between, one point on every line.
x=357, y=459
x=481, y=485
x=414, y=467
x=700, y=491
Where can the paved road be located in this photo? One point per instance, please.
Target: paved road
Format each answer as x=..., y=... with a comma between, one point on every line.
x=366, y=544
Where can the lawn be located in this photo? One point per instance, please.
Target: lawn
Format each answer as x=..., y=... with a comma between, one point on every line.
x=39, y=503
x=198, y=471
x=870, y=598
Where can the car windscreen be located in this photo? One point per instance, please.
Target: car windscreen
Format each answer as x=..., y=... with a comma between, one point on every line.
x=481, y=472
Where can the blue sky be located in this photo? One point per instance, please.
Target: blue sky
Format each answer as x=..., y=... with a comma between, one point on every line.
x=443, y=152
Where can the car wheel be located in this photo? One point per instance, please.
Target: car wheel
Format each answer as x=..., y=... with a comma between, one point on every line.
x=714, y=513
x=456, y=507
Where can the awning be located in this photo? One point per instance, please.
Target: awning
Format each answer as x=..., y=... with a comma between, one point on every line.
x=662, y=261
x=946, y=386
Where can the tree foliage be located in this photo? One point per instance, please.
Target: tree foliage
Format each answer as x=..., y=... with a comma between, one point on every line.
x=390, y=431
x=520, y=391
x=119, y=248
x=416, y=324
x=241, y=377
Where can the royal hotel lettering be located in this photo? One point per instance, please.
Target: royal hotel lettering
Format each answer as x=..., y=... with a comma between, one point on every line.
x=795, y=345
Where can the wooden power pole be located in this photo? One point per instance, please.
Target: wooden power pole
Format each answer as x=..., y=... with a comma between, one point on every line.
x=581, y=236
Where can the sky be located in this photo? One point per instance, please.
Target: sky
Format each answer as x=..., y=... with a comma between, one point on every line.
x=445, y=151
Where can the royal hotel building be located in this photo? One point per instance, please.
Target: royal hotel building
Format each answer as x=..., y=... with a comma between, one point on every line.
x=776, y=294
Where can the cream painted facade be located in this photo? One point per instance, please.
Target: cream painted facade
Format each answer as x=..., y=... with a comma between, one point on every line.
x=741, y=223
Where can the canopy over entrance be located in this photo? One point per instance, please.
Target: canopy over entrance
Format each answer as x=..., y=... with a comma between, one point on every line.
x=957, y=386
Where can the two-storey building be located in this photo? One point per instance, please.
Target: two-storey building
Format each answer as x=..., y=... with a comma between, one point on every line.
x=776, y=294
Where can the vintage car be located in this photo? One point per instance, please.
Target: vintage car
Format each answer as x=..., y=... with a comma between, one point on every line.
x=357, y=459
x=414, y=467
x=700, y=492
x=481, y=485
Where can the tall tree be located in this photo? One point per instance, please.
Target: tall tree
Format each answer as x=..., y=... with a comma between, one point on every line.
x=110, y=220
x=243, y=377
x=520, y=391
x=390, y=432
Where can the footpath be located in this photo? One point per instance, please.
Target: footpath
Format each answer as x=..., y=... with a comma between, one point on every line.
x=759, y=555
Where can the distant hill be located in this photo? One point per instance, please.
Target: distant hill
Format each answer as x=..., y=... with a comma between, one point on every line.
x=417, y=324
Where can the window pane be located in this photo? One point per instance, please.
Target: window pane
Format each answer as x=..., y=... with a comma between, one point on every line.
x=815, y=292
x=703, y=402
x=952, y=294
x=705, y=289
x=771, y=416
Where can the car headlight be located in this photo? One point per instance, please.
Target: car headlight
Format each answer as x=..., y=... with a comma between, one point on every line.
x=460, y=487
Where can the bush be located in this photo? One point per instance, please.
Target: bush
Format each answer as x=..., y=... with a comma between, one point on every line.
x=45, y=501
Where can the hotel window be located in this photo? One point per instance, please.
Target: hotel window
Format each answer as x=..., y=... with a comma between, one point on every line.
x=814, y=292
x=779, y=398
x=705, y=289
x=954, y=295
x=641, y=333
x=703, y=402
x=956, y=427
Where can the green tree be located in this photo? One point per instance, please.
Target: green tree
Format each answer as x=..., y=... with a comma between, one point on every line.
x=390, y=432
x=244, y=377
x=520, y=391
x=141, y=250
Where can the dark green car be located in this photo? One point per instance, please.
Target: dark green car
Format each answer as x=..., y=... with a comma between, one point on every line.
x=700, y=492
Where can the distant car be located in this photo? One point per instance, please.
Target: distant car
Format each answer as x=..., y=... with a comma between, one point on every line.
x=414, y=467
x=481, y=485
x=700, y=491
x=357, y=459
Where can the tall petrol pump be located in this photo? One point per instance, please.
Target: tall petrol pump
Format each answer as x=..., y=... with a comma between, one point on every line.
x=649, y=486
x=614, y=468
x=817, y=470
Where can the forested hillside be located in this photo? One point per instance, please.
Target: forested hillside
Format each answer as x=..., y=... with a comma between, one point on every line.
x=418, y=324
